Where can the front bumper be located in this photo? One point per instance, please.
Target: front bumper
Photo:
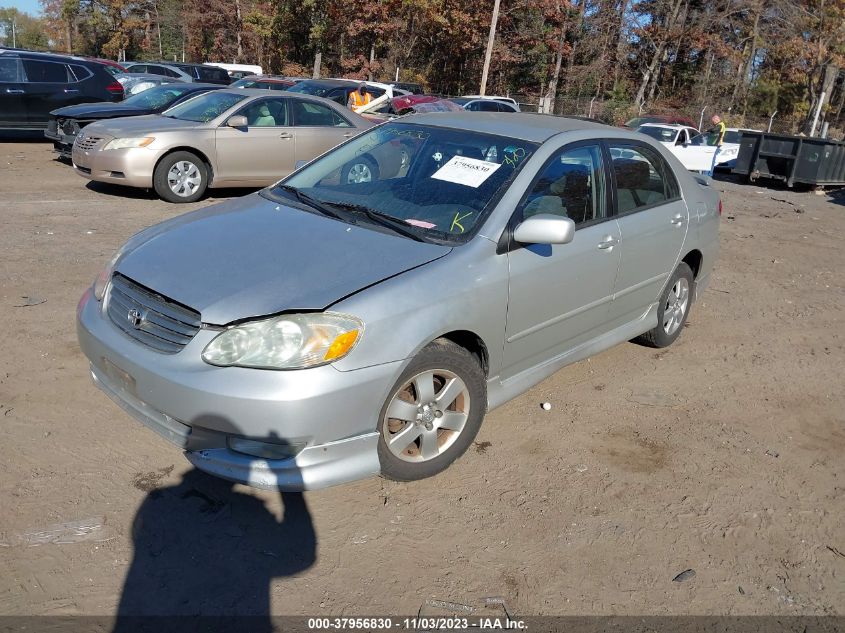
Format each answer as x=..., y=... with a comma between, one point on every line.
x=131, y=167
x=196, y=406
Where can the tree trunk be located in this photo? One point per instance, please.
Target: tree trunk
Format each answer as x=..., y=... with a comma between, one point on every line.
x=831, y=72
x=621, y=43
x=551, y=94
x=239, y=25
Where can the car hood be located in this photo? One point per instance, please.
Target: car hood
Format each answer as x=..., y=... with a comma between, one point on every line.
x=98, y=111
x=140, y=126
x=253, y=257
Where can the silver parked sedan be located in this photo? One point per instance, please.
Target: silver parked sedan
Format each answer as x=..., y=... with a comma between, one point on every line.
x=325, y=330
x=225, y=138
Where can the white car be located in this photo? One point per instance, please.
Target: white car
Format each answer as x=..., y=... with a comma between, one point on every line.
x=701, y=153
x=671, y=135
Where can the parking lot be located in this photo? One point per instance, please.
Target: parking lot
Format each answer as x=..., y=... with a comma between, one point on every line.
x=722, y=454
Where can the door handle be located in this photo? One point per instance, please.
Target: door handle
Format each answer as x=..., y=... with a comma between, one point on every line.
x=14, y=91
x=71, y=90
x=349, y=135
x=607, y=243
x=285, y=135
x=677, y=219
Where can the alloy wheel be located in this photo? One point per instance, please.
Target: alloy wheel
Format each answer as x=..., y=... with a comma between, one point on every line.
x=426, y=415
x=675, y=310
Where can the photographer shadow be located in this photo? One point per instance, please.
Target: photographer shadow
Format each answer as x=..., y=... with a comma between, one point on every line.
x=205, y=556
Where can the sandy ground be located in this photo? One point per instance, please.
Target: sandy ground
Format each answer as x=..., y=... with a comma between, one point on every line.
x=722, y=454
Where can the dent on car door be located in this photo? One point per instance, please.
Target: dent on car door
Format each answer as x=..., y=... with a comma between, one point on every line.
x=261, y=153
x=559, y=295
x=653, y=219
x=317, y=128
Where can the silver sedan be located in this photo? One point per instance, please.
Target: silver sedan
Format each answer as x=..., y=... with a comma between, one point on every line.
x=328, y=329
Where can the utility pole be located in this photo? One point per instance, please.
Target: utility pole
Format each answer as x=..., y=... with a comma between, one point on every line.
x=482, y=91
x=14, y=36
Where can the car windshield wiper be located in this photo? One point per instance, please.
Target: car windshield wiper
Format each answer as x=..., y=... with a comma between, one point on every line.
x=314, y=203
x=382, y=219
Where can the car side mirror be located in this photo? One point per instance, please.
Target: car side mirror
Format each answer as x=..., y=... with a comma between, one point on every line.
x=545, y=228
x=237, y=121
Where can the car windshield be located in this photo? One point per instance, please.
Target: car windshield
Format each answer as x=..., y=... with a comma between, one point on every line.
x=662, y=134
x=205, y=107
x=158, y=97
x=437, y=182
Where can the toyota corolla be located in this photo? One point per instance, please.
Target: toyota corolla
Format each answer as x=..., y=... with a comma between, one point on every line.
x=327, y=329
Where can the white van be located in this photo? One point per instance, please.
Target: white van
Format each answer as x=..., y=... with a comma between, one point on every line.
x=241, y=69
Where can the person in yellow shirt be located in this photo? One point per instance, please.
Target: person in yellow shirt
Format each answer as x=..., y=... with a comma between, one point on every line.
x=717, y=131
x=359, y=97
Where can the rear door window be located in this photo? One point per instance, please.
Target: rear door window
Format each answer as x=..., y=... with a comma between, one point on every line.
x=643, y=179
x=41, y=72
x=308, y=114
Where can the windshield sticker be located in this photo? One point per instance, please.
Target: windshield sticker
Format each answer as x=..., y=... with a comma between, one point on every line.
x=512, y=155
x=456, y=221
x=470, y=172
x=437, y=156
x=421, y=223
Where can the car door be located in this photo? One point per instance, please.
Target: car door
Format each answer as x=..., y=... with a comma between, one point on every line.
x=559, y=295
x=261, y=153
x=48, y=86
x=317, y=128
x=12, y=112
x=653, y=219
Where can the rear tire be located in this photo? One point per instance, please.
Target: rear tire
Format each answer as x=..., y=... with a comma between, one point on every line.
x=672, y=311
x=180, y=177
x=433, y=413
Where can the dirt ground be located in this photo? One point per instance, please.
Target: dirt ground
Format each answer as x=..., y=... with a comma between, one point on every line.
x=722, y=454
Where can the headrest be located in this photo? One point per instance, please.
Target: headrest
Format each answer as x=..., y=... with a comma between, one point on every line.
x=631, y=173
x=575, y=181
x=263, y=110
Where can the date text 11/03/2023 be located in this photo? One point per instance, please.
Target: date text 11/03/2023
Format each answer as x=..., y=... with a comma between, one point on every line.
x=416, y=624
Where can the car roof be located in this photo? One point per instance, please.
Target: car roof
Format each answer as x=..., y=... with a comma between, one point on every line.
x=536, y=128
x=333, y=82
x=674, y=126
x=49, y=56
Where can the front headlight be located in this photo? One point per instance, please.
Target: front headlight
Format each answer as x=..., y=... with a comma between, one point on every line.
x=290, y=341
x=103, y=279
x=141, y=86
x=125, y=143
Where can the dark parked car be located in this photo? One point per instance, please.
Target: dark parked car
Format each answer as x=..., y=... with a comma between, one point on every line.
x=65, y=123
x=335, y=89
x=264, y=82
x=34, y=84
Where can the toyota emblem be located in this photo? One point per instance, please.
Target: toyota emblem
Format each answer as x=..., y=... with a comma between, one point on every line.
x=135, y=318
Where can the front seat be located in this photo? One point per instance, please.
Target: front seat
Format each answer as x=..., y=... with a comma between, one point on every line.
x=263, y=117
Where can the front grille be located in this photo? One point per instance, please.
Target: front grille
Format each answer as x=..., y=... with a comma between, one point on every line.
x=85, y=142
x=149, y=318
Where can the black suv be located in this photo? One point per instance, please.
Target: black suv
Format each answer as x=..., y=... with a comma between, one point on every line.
x=33, y=84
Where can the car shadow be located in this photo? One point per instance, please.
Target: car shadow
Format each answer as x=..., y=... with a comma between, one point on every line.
x=23, y=136
x=837, y=196
x=136, y=193
x=207, y=547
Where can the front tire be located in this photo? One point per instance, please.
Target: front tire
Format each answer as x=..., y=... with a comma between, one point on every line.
x=433, y=413
x=180, y=177
x=360, y=170
x=673, y=309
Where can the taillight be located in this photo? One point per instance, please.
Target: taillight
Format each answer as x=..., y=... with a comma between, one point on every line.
x=115, y=88
x=720, y=207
